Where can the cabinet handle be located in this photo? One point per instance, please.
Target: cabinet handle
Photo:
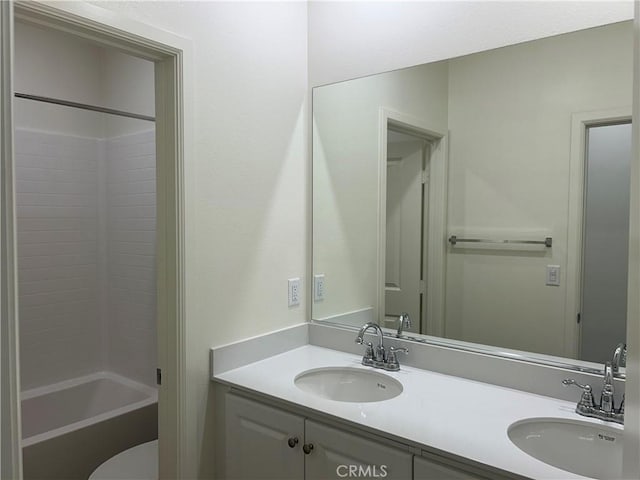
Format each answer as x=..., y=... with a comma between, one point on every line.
x=293, y=441
x=307, y=447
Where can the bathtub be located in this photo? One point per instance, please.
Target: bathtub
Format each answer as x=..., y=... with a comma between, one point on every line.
x=70, y=428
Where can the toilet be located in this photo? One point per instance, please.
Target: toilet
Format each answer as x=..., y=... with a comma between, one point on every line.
x=137, y=463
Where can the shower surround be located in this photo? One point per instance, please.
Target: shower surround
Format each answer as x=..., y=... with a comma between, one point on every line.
x=86, y=217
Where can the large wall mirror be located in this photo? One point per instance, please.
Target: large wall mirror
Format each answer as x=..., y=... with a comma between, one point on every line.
x=487, y=196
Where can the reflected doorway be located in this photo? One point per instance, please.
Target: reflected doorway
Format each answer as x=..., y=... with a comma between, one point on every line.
x=406, y=220
x=603, y=310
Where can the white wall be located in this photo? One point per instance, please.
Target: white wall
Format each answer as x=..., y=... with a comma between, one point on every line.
x=121, y=73
x=128, y=83
x=247, y=181
x=509, y=156
x=353, y=39
x=346, y=130
x=57, y=65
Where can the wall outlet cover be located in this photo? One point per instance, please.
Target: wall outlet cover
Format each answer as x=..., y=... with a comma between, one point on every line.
x=318, y=287
x=294, y=292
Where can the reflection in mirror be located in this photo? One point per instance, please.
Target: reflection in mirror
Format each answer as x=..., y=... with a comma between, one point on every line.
x=486, y=196
x=406, y=209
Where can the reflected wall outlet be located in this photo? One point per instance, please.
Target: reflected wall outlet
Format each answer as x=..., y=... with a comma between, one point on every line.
x=318, y=287
x=553, y=275
x=294, y=292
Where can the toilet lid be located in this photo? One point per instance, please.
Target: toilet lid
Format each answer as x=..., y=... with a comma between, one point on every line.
x=137, y=463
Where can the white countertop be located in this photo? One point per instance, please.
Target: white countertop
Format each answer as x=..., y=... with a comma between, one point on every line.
x=465, y=418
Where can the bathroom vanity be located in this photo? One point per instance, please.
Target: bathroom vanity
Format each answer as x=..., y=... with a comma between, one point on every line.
x=297, y=446
x=281, y=422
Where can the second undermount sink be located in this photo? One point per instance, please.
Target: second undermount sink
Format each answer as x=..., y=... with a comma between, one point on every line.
x=346, y=384
x=584, y=448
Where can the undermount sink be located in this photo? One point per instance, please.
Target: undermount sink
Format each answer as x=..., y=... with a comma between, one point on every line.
x=583, y=448
x=346, y=384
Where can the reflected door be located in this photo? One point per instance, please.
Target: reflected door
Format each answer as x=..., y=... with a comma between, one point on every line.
x=404, y=235
x=606, y=241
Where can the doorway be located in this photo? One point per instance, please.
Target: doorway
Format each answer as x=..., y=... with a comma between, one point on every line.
x=168, y=53
x=406, y=221
x=84, y=138
x=603, y=310
x=412, y=160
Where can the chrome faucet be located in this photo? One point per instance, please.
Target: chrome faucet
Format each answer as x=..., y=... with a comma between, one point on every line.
x=606, y=409
x=377, y=356
x=619, y=360
x=619, y=357
x=404, y=321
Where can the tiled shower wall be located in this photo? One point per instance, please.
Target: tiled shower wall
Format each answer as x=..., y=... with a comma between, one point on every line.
x=86, y=245
x=56, y=185
x=131, y=228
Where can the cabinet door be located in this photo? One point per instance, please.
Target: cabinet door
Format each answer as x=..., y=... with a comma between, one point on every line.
x=424, y=469
x=258, y=442
x=337, y=454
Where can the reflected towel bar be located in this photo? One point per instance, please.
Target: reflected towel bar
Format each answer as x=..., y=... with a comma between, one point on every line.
x=453, y=240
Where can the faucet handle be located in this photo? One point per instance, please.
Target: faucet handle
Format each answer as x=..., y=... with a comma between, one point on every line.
x=392, y=363
x=404, y=350
x=587, y=392
x=367, y=359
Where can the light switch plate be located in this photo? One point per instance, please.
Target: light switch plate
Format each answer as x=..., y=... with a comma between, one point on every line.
x=553, y=275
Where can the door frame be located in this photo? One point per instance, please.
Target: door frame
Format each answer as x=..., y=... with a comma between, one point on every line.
x=11, y=454
x=437, y=215
x=580, y=122
x=172, y=56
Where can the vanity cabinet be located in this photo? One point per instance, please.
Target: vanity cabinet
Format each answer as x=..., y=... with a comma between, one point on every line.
x=335, y=452
x=263, y=442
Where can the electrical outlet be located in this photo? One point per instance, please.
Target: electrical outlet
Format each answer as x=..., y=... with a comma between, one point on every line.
x=294, y=292
x=318, y=287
